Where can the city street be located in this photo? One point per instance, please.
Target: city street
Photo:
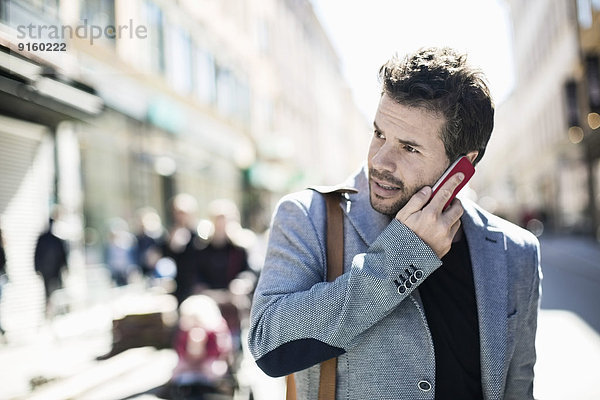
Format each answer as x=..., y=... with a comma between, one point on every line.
x=62, y=361
x=568, y=330
x=144, y=146
x=572, y=277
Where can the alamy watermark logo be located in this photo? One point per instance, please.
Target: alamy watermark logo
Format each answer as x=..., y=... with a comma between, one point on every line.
x=86, y=31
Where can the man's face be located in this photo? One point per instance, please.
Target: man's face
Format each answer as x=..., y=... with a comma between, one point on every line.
x=406, y=153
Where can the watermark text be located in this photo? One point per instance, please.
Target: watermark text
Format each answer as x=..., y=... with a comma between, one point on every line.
x=82, y=31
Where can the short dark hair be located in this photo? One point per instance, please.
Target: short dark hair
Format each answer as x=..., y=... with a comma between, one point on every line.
x=441, y=81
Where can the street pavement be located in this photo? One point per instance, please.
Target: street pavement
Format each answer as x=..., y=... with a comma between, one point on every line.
x=568, y=342
x=571, y=267
x=61, y=360
x=59, y=350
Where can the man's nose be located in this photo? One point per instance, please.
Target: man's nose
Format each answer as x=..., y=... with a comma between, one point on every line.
x=385, y=159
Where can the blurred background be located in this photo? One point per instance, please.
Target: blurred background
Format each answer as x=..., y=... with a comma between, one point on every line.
x=122, y=121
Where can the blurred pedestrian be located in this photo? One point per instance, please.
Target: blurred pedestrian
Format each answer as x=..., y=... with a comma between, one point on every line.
x=432, y=302
x=222, y=260
x=50, y=260
x=183, y=244
x=204, y=348
x=3, y=275
x=120, y=251
x=222, y=267
x=150, y=241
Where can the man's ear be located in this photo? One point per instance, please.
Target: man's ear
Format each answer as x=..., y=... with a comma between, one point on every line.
x=472, y=156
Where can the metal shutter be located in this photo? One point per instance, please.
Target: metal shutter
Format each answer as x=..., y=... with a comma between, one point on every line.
x=26, y=181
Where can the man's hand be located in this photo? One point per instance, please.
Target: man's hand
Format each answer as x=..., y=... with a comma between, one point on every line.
x=434, y=226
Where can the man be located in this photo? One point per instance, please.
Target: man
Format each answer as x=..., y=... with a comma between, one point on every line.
x=3, y=276
x=183, y=244
x=150, y=241
x=222, y=260
x=50, y=260
x=432, y=304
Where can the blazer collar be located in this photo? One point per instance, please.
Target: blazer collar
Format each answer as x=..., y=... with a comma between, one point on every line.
x=487, y=247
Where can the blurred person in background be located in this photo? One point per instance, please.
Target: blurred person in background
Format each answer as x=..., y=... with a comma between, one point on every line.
x=120, y=252
x=222, y=265
x=150, y=241
x=222, y=259
x=434, y=302
x=183, y=244
x=3, y=275
x=50, y=260
x=204, y=348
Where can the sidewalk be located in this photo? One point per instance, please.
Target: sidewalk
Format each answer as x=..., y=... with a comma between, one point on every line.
x=60, y=349
x=568, y=353
x=581, y=249
x=60, y=360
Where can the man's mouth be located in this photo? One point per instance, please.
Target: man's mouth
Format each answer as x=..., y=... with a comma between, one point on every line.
x=386, y=187
x=384, y=190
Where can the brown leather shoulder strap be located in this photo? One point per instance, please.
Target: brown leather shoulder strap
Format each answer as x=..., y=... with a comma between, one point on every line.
x=290, y=387
x=335, y=236
x=335, y=268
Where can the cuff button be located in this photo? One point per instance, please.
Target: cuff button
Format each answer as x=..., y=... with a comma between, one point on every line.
x=424, y=386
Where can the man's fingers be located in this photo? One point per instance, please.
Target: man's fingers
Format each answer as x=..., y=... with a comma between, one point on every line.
x=416, y=203
x=454, y=211
x=445, y=192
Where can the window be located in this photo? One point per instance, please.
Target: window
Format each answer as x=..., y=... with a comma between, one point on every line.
x=45, y=6
x=225, y=91
x=179, y=66
x=233, y=95
x=25, y=12
x=262, y=36
x=100, y=13
x=155, y=21
x=205, y=83
x=584, y=13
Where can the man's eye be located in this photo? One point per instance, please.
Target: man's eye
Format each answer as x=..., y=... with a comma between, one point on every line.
x=378, y=134
x=410, y=149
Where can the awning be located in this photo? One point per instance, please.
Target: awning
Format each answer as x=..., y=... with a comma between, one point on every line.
x=35, y=92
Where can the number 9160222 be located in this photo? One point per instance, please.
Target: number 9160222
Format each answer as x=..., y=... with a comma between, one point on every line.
x=42, y=46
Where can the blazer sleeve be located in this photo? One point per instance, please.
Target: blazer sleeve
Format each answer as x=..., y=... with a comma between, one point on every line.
x=519, y=382
x=297, y=319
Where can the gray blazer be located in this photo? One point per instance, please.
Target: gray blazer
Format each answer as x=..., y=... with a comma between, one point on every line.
x=381, y=336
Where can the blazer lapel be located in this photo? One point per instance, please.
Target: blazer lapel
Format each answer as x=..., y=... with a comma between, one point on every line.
x=488, y=255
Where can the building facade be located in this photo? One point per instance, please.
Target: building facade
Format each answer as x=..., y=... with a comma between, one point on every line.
x=538, y=165
x=142, y=99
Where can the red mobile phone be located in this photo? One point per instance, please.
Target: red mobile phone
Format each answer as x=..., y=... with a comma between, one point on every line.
x=461, y=165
